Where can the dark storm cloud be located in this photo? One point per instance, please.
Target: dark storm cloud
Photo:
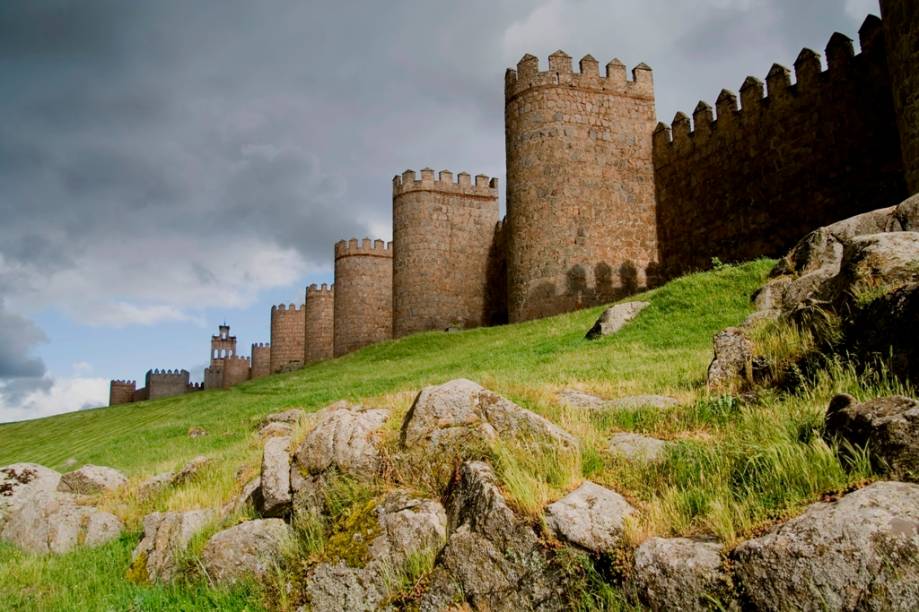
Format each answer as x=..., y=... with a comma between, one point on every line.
x=18, y=338
x=171, y=130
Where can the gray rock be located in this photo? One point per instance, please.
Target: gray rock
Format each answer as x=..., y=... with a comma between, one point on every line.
x=291, y=417
x=409, y=525
x=276, y=429
x=876, y=262
x=636, y=447
x=907, y=214
x=166, y=535
x=332, y=588
x=344, y=437
x=580, y=399
x=591, y=517
x=190, y=471
x=22, y=480
x=493, y=560
x=251, y=495
x=247, y=549
x=859, y=553
x=91, y=479
x=888, y=326
x=155, y=484
x=888, y=426
x=681, y=574
x=733, y=361
x=445, y=416
x=615, y=318
x=52, y=522
x=275, y=478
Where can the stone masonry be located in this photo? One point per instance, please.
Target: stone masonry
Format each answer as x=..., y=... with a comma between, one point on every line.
x=754, y=180
x=363, y=294
x=288, y=329
x=261, y=359
x=121, y=392
x=320, y=319
x=166, y=383
x=580, y=184
x=443, y=231
x=235, y=370
x=901, y=27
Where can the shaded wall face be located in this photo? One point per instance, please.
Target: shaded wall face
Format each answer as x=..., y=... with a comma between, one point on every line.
x=442, y=242
x=757, y=180
x=261, y=361
x=159, y=386
x=288, y=337
x=901, y=33
x=120, y=394
x=581, y=204
x=363, y=301
x=235, y=371
x=320, y=317
x=213, y=377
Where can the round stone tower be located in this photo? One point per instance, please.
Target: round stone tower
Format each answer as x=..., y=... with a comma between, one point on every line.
x=320, y=318
x=580, y=184
x=363, y=294
x=443, y=233
x=287, y=338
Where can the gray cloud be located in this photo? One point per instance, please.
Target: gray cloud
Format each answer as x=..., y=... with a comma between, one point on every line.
x=18, y=338
x=154, y=142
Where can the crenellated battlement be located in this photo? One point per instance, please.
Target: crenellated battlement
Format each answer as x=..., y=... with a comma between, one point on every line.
x=813, y=84
x=195, y=386
x=483, y=186
x=286, y=308
x=528, y=76
x=124, y=383
x=237, y=359
x=261, y=345
x=366, y=247
x=163, y=374
x=320, y=290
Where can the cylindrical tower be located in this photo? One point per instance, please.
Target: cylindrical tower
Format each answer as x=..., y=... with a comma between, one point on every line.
x=901, y=36
x=287, y=338
x=121, y=392
x=580, y=184
x=363, y=294
x=443, y=233
x=320, y=318
x=261, y=359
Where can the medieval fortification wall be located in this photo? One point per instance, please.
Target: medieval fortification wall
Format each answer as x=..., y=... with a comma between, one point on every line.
x=580, y=184
x=600, y=203
x=261, y=359
x=363, y=294
x=288, y=335
x=443, y=231
x=901, y=33
x=320, y=322
x=751, y=181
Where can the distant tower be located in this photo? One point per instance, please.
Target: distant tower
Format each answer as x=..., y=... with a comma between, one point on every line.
x=261, y=360
x=166, y=383
x=223, y=345
x=121, y=392
x=363, y=294
x=580, y=184
x=288, y=328
x=443, y=232
x=320, y=319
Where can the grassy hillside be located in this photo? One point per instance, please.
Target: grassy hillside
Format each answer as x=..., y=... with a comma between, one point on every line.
x=733, y=468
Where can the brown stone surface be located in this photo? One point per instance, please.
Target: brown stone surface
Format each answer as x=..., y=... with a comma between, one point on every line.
x=166, y=383
x=235, y=371
x=121, y=392
x=288, y=331
x=261, y=359
x=443, y=232
x=580, y=184
x=320, y=319
x=901, y=33
x=757, y=179
x=363, y=294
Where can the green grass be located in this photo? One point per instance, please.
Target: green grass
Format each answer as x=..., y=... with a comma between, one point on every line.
x=733, y=466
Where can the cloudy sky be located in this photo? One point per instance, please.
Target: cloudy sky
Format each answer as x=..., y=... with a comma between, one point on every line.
x=168, y=164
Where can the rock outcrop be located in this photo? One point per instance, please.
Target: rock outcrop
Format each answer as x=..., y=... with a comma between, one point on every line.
x=591, y=517
x=580, y=399
x=615, y=318
x=344, y=437
x=859, y=553
x=887, y=426
x=166, y=535
x=445, y=416
x=636, y=447
x=275, y=478
x=248, y=549
x=681, y=574
x=91, y=479
x=20, y=481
